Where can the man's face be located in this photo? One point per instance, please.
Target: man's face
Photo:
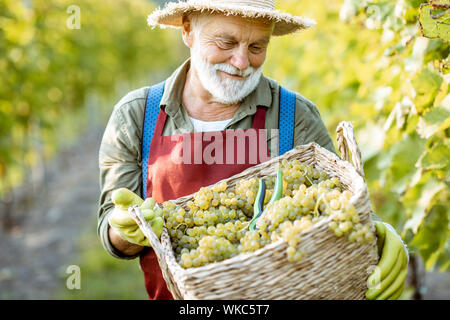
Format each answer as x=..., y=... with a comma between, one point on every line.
x=228, y=54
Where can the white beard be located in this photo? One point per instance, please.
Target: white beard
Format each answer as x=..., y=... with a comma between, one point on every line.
x=225, y=91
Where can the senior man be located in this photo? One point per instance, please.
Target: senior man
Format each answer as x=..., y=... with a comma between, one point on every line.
x=219, y=89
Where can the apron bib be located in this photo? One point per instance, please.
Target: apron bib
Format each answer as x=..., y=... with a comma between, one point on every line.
x=179, y=165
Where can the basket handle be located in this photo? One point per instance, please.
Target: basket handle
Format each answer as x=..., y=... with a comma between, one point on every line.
x=147, y=230
x=347, y=145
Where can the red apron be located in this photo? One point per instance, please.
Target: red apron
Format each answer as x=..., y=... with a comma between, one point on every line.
x=180, y=164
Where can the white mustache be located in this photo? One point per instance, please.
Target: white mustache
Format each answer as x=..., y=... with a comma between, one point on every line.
x=225, y=67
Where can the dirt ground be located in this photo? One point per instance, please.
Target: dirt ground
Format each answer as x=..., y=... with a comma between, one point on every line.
x=35, y=255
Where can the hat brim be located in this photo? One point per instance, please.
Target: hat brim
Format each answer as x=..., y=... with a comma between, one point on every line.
x=172, y=15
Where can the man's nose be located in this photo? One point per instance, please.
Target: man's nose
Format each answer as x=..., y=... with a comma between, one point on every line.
x=240, y=58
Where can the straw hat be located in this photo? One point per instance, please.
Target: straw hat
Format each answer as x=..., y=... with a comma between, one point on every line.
x=171, y=15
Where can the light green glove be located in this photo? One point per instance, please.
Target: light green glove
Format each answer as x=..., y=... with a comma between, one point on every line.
x=125, y=225
x=387, y=281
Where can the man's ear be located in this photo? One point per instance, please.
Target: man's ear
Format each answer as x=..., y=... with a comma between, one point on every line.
x=187, y=33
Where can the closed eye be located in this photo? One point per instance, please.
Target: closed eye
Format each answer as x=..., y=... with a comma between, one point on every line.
x=256, y=48
x=224, y=44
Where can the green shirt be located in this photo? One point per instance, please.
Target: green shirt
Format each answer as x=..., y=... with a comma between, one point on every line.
x=120, y=158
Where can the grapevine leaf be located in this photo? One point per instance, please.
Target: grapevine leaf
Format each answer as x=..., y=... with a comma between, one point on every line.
x=436, y=50
x=446, y=173
x=426, y=84
x=417, y=200
x=389, y=209
x=432, y=235
x=403, y=157
x=435, y=120
x=434, y=22
x=446, y=67
x=415, y=3
x=444, y=257
x=380, y=12
x=435, y=158
x=439, y=3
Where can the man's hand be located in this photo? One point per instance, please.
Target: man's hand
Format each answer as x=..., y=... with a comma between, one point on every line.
x=387, y=281
x=121, y=221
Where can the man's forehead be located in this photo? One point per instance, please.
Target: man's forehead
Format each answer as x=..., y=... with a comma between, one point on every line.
x=232, y=27
x=225, y=36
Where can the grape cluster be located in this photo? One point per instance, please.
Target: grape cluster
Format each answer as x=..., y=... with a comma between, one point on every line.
x=214, y=225
x=346, y=220
x=210, y=249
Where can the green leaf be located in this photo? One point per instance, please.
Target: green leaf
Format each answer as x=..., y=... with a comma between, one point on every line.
x=418, y=199
x=403, y=157
x=415, y=3
x=438, y=115
x=387, y=207
x=436, y=50
x=444, y=257
x=433, y=235
x=436, y=158
x=434, y=22
x=410, y=15
x=433, y=121
x=426, y=84
x=446, y=173
x=446, y=67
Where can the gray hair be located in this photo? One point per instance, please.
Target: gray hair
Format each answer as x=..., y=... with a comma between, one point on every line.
x=198, y=20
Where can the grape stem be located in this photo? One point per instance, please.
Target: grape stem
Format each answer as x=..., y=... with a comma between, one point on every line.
x=180, y=225
x=247, y=225
x=306, y=176
x=316, y=207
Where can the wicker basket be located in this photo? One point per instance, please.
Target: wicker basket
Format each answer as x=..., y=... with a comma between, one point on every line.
x=333, y=268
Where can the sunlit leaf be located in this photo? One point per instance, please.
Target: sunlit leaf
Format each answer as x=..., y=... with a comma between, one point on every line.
x=435, y=22
x=436, y=119
x=426, y=85
x=417, y=200
x=403, y=158
x=436, y=158
x=431, y=238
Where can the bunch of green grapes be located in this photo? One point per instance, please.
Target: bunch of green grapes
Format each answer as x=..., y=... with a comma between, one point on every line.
x=290, y=232
x=303, y=202
x=213, y=212
x=252, y=241
x=346, y=220
x=248, y=188
x=296, y=173
x=289, y=216
x=210, y=249
x=215, y=225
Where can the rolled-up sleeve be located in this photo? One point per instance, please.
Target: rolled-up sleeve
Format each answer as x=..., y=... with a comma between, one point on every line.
x=120, y=160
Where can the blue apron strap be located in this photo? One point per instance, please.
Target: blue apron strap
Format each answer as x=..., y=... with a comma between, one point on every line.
x=150, y=116
x=286, y=120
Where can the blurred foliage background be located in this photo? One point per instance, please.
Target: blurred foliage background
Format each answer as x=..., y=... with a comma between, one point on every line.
x=57, y=54
x=383, y=65
x=368, y=62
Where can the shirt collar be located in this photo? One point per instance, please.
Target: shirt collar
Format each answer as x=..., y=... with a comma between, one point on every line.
x=173, y=90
